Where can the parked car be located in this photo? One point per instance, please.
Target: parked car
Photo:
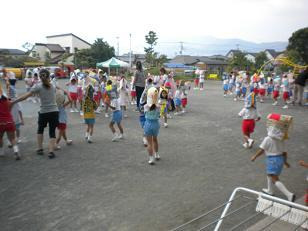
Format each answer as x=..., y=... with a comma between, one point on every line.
x=58, y=71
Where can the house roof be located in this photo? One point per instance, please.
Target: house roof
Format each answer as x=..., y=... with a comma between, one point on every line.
x=12, y=51
x=51, y=47
x=273, y=53
x=69, y=34
x=189, y=60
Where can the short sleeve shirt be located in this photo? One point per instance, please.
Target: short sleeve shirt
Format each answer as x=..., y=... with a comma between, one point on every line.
x=272, y=147
x=47, y=96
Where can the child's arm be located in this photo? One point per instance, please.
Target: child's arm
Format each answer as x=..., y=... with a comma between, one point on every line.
x=285, y=155
x=258, y=153
x=108, y=104
x=21, y=117
x=303, y=163
x=241, y=113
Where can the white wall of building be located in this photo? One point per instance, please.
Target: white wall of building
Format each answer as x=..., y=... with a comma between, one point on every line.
x=251, y=58
x=63, y=41
x=39, y=51
x=68, y=41
x=77, y=43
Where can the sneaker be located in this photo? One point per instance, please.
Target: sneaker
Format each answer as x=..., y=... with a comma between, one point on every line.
x=69, y=142
x=76, y=110
x=97, y=111
x=151, y=160
x=40, y=152
x=285, y=107
x=9, y=145
x=292, y=198
x=81, y=113
x=266, y=191
x=261, y=101
x=235, y=99
x=115, y=138
x=86, y=136
x=165, y=125
x=120, y=136
x=245, y=145
x=225, y=95
x=90, y=140
x=156, y=156
x=106, y=115
x=58, y=147
x=169, y=116
x=250, y=142
x=51, y=155
x=72, y=110
x=145, y=142
x=132, y=103
x=17, y=156
x=125, y=116
x=176, y=113
x=275, y=103
x=19, y=141
x=183, y=111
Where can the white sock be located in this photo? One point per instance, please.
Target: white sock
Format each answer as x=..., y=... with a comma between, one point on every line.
x=283, y=189
x=87, y=134
x=15, y=148
x=269, y=185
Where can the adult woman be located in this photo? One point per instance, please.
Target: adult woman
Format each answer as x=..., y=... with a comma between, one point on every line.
x=48, y=114
x=139, y=81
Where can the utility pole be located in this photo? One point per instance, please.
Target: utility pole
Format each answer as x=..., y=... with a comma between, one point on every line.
x=130, y=51
x=118, y=46
x=181, y=48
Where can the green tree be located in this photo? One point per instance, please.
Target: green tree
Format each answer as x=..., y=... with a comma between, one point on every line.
x=83, y=58
x=261, y=58
x=151, y=39
x=298, y=42
x=240, y=62
x=161, y=60
x=47, y=58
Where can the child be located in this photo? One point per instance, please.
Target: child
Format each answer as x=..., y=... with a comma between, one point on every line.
x=250, y=114
x=97, y=95
x=276, y=156
x=170, y=102
x=16, y=108
x=178, y=101
x=201, y=79
x=73, y=92
x=80, y=83
x=276, y=90
x=28, y=82
x=262, y=86
x=245, y=85
x=225, y=84
x=133, y=94
x=108, y=88
x=231, y=83
x=151, y=125
x=185, y=87
x=285, y=91
x=270, y=86
x=89, y=106
x=113, y=102
x=238, y=84
x=123, y=98
x=163, y=102
x=196, y=81
x=7, y=125
x=60, y=99
x=35, y=81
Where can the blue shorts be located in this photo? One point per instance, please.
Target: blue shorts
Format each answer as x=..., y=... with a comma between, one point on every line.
x=151, y=128
x=244, y=90
x=251, y=89
x=274, y=165
x=238, y=93
x=116, y=117
x=230, y=86
x=142, y=120
x=178, y=102
x=269, y=90
x=17, y=126
x=226, y=87
x=89, y=121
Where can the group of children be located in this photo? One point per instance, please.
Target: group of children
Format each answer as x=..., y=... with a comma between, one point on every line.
x=274, y=86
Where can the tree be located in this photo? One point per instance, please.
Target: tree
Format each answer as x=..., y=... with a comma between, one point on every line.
x=161, y=60
x=151, y=39
x=100, y=51
x=240, y=62
x=261, y=58
x=298, y=45
x=47, y=58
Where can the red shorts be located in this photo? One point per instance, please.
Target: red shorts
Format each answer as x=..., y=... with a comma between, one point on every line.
x=196, y=81
x=133, y=94
x=248, y=126
x=256, y=91
x=275, y=94
x=184, y=102
x=285, y=95
x=97, y=97
x=74, y=96
x=61, y=126
x=262, y=92
x=7, y=127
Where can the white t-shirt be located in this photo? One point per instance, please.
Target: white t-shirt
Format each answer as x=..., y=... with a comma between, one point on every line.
x=116, y=103
x=249, y=113
x=285, y=85
x=272, y=147
x=72, y=88
x=226, y=81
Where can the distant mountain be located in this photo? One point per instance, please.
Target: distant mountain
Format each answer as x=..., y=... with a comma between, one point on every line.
x=214, y=46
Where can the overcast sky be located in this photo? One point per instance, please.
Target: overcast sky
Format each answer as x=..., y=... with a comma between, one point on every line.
x=254, y=20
